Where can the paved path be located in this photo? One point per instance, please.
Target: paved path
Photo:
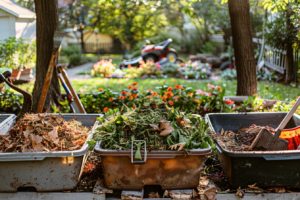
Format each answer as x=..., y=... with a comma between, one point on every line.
x=74, y=73
x=91, y=196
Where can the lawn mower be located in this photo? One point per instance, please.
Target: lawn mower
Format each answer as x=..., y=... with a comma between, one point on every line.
x=154, y=53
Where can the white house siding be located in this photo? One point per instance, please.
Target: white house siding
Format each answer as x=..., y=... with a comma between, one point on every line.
x=7, y=27
x=16, y=21
x=21, y=26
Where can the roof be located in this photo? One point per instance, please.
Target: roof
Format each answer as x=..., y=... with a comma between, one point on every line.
x=16, y=10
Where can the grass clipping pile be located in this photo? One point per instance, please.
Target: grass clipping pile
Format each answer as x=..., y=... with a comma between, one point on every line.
x=161, y=129
x=42, y=132
x=242, y=139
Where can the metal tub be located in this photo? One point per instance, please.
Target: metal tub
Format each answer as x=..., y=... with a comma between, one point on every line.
x=168, y=169
x=265, y=168
x=45, y=171
x=6, y=121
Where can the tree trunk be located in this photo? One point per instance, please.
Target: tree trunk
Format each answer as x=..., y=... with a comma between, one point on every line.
x=46, y=23
x=245, y=62
x=82, y=44
x=290, y=72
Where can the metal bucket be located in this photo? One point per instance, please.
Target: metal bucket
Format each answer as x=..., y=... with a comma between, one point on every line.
x=6, y=121
x=168, y=169
x=265, y=168
x=45, y=171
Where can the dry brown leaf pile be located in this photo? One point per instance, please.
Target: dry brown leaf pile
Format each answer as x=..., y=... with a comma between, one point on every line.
x=42, y=132
x=242, y=139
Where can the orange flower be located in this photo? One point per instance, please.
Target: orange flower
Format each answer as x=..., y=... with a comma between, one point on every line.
x=171, y=103
x=169, y=94
x=164, y=98
x=124, y=92
x=178, y=87
x=134, y=83
x=122, y=97
x=100, y=89
x=110, y=99
x=105, y=109
x=89, y=167
x=169, y=89
x=219, y=88
x=154, y=94
x=129, y=87
x=134, y=95
x=190, y=94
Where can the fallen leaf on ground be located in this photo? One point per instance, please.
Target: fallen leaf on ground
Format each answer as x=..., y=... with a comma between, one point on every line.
x=240, y=193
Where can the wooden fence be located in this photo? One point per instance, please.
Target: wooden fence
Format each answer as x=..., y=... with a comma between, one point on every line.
x=274, y=58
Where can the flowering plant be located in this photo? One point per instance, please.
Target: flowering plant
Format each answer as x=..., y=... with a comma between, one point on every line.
x=103, y=68
x=196, y=70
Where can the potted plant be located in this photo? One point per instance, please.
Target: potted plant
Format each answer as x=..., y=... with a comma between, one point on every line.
x=19, y=56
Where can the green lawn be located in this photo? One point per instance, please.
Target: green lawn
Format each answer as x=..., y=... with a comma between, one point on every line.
x=268, y=90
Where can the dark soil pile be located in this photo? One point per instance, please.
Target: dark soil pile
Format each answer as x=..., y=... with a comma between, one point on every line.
x=240, y=140
x=42, y=132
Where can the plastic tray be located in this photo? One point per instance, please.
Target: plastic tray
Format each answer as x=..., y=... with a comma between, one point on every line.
x=45, y=171
x=6, y=121
x=168, y=169
x=265, y=168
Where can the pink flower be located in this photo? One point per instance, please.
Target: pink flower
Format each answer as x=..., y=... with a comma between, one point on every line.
x=201, y=92
x=210, y=86
x=157, y=66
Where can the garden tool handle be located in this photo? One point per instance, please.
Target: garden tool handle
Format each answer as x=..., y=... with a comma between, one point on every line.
x=65, y=78
x=287, y=118
x=47, y=82
x=27, y=103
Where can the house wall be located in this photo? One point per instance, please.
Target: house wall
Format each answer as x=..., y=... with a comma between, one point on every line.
x=21, y=25
x=7, y=25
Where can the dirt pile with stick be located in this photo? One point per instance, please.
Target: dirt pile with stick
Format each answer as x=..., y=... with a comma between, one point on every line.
x=240, y=140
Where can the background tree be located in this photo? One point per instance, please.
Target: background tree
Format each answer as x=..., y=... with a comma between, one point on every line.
x=130, y=21
x=26, y=3
x=239, y=11
x=284, y=31
x=46, y=24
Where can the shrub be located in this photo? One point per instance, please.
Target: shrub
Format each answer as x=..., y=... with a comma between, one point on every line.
x=16, y=53
x=196, y=70
x=150, y=69
x=229, y=74
x=10, y=102
x=133, y=72
x=75, y=60
x=103, y=68
x=73, y=54
x=171, y=69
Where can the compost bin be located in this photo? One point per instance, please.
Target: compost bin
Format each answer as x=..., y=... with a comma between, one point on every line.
x=263, y=168
x=45, y=171
x=167, y=169
x=6, y=121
